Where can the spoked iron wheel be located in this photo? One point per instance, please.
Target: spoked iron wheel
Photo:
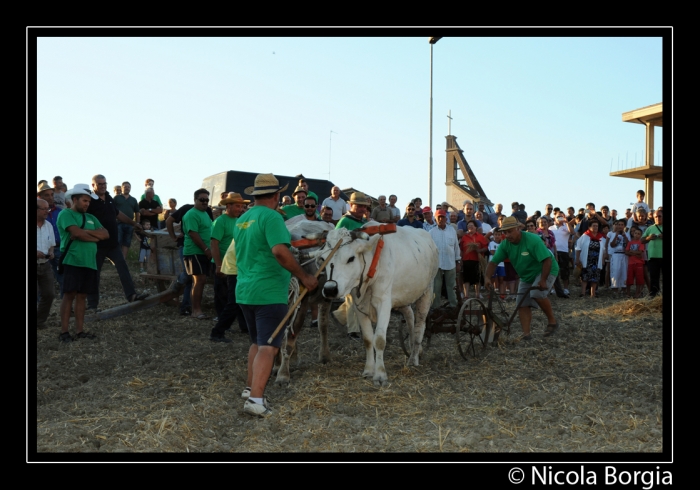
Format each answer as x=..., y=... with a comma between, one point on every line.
x=471, y=323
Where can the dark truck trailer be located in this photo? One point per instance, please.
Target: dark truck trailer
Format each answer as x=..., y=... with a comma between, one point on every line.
x=236, y=181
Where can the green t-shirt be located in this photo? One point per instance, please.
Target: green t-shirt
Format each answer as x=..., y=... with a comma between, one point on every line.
x=200, y=222
x=222, y=230
x=129, y=206
x=350, y=222
x=655, y=248
x=81, y=254
x=261, y=279
x=292, y=210
x=526, y=256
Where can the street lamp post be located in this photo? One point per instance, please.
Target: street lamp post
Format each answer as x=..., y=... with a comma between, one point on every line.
x=432, y=41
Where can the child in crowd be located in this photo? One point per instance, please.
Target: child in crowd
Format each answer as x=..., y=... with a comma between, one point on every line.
x=635, y=266
x=617, y=243
x=605, y=271
x=500, y=274
x=145, y=245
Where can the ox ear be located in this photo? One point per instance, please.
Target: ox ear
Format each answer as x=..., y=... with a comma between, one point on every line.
x=369, y=244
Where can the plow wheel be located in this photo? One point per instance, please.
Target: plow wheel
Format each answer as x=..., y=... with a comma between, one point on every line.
x=500, y=317
x=471, y=324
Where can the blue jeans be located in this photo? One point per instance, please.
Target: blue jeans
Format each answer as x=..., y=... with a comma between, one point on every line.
x=115, y=256
x=185, y=279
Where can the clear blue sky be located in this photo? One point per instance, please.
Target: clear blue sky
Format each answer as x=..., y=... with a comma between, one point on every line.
x=539, y=119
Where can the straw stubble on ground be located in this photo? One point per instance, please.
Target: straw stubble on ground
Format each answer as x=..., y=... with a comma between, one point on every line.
x=154, y=382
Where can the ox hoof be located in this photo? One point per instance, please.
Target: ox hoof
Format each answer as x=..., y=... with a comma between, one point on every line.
x=381, y=382
x=367, y=374
x=282, y=379
x=324, y=359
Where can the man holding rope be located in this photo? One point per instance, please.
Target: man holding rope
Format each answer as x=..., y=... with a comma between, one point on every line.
x=537, y=270
x=264, y=265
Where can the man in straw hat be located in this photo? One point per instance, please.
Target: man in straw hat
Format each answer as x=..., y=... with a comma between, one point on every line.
x=535, y=265
x=46, y=193
x=225, y=282
x=296, y=209
x=353, y=219
x=264, y=266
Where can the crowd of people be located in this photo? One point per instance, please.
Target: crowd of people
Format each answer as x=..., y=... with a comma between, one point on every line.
x=245, y=245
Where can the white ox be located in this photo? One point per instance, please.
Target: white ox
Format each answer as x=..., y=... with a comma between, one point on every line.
x=405, y=272
x=300, y=229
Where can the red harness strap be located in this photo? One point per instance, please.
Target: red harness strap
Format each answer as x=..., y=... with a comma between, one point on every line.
x=375, y=259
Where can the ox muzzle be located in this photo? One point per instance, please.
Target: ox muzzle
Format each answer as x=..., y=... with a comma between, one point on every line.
x=330, y=287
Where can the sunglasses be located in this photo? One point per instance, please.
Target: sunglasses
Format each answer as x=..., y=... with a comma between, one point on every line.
x=309, y=205
x=203, y=199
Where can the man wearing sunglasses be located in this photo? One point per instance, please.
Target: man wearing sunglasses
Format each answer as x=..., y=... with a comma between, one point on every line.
x=196, y=225
x=310, y=209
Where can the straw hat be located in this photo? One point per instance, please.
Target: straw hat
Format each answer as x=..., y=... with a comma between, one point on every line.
x=43, y=187
x=265, y=184
x=299, y=189
x=359, y=198
x=233, y=198
x=509, y=222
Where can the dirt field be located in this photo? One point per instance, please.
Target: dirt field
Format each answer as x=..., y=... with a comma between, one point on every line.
x=154, y=382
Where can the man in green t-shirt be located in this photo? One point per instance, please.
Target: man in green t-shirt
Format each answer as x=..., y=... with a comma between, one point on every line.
x=80, y=232
x=535, y=265
x=296, y=209
x=196, y=254
x=221, y=239
x=264, y=265
x=354, y=219
x=653, y=237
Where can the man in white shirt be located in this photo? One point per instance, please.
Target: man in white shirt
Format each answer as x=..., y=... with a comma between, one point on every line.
x=336, y=203
x=45, y=242
x=562, y=230
x=395, y=212
x=449, y=261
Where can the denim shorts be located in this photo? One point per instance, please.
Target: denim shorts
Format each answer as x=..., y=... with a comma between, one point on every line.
x=124, y=234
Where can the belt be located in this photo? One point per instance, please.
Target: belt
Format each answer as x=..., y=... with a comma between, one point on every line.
x=40, y=262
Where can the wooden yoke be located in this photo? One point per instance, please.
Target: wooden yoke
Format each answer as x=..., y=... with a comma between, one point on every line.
x=381, y=229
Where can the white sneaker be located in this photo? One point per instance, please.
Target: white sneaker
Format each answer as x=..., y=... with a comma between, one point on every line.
x=252, y=408
x=246, y=393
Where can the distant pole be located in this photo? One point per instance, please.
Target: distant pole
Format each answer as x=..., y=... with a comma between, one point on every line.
x=330, y=142
x=432, y=41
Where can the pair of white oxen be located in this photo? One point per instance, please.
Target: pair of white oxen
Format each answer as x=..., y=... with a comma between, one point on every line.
x=404, y=275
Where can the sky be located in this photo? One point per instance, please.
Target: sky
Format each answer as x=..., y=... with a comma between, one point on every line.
x=539, y=119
